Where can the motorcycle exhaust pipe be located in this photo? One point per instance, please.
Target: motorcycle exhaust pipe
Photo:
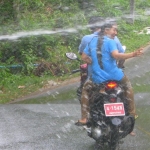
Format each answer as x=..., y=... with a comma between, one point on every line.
x=96, y=133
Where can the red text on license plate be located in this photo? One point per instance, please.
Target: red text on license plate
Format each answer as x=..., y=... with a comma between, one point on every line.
x=114, y=109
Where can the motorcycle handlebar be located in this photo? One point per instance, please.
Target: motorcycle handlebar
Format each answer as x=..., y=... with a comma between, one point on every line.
x=77, y=70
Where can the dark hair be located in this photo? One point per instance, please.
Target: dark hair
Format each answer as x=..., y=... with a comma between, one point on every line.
x=95, y=22
x=107, y=25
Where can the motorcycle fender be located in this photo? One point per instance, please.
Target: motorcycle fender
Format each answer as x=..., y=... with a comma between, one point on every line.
x=127, y=117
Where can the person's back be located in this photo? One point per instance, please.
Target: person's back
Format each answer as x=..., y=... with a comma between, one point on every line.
x=95, y=27
x=109, y=63
x=110, y=70
x=85, y=40
x=98, y=74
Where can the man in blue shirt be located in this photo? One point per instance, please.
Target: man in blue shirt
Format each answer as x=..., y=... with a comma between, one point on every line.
x=95, y=24
x=110, y=54
x=109, y=69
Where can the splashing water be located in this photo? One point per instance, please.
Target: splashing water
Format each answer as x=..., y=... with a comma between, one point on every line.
x=22, y=34
x=36, y=32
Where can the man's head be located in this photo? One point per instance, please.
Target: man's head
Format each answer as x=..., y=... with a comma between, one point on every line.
x=95, y=23
x=110, y=29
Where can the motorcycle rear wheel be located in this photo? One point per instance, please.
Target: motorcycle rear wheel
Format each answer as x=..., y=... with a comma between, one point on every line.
x=114, y=139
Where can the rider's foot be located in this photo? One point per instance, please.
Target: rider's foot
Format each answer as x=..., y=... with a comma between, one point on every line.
x=132, y=133
x=84, y=121
x=81, y=122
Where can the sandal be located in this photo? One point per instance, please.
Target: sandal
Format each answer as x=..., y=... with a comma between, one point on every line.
x=78, y=123
x=132, y=133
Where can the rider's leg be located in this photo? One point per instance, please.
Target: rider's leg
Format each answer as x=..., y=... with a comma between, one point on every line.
x=85, y=101
x=129, y=95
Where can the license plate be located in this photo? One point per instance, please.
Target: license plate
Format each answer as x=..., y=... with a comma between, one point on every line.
x=114, y=109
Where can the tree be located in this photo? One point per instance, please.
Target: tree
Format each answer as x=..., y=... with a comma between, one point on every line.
x=132, y=7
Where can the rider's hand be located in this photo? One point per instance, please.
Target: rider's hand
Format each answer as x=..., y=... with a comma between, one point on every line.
x=138, y=52
x=86, y=58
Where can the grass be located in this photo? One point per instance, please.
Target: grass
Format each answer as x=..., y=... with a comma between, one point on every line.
x=48, y=18
x=55, y=97
x=11, y=91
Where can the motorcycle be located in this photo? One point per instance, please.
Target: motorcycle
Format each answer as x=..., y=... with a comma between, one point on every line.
x=109, y=119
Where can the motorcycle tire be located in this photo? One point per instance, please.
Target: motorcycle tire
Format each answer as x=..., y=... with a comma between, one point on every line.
x=114, y=139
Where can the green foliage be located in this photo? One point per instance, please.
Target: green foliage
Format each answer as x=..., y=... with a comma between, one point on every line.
x=28, y=4
x=9, y=85
x=52, y=16
x=111, y=8
x=6, y=10
x=142, y=4
x=129, y=34
x=4, y=76
x=58, y=18
x=55, y=15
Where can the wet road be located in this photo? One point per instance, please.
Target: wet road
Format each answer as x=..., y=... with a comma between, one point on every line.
x=51, y=126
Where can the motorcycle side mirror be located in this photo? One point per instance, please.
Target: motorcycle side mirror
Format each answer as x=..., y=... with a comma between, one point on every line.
x=71, y=56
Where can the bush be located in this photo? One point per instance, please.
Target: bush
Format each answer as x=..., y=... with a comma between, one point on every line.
x=49, y=50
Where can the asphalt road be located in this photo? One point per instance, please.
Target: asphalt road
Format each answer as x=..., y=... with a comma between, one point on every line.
x=51, y=126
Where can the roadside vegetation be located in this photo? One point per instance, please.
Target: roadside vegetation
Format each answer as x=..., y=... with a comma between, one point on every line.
x=39, y=34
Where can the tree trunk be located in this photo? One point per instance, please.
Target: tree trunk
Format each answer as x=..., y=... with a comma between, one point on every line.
x=16, y=10
x=132, y=7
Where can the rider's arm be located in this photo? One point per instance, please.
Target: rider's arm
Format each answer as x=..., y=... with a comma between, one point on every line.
x=86, y=55
x=82, y=45
x=118, y=55
x=86, y=58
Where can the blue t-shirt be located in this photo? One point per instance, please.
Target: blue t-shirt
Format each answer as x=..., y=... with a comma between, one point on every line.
x=109, y=63
x=85, y=40
x=119, y=45
x=110, y=70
